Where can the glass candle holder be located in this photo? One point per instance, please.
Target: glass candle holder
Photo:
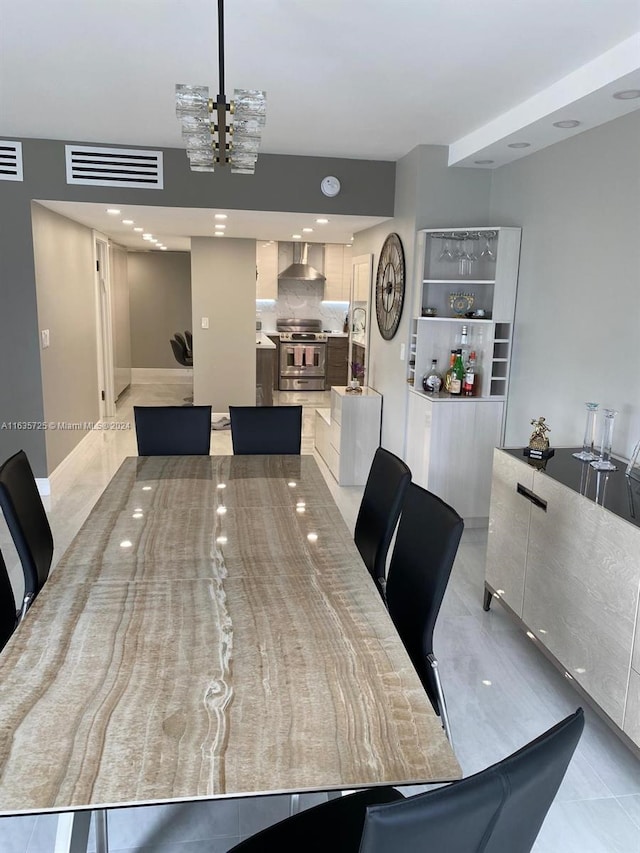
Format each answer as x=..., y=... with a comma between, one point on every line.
x=587, y=454
x=604, y=463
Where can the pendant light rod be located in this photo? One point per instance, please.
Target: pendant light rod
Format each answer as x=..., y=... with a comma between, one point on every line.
x=221, y=95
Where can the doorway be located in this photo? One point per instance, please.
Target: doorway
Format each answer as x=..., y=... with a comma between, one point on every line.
x=104, y=329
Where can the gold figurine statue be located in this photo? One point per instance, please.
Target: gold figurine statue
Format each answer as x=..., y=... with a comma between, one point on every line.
x=539, y=440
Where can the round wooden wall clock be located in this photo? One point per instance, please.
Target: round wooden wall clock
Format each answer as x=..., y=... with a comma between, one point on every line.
x=390, y=286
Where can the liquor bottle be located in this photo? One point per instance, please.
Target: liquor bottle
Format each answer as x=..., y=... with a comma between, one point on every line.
x=432, y=381
x=471, y=381
x=455, y=386
x=464, y=344
x=449, y=373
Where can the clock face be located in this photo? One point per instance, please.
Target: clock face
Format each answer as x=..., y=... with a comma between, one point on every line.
x=390, y=286
x=330, y=186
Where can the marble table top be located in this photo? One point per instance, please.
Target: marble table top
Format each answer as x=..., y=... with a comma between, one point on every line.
x=211, y=631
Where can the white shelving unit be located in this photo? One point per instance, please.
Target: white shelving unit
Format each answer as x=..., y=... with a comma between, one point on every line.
x=450, y=440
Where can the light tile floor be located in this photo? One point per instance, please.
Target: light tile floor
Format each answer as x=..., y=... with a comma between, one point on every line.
x=501, y=691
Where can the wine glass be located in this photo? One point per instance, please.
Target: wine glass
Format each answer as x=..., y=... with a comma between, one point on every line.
x=460, y=254
x=487, y=251
x=446, y=254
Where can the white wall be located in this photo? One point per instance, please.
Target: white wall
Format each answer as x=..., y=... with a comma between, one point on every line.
x=578, y=305
x=223, y=289
x=428, y=194
x=65, y=286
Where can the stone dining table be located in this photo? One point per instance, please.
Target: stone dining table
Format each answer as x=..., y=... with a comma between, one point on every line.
x=210, y=632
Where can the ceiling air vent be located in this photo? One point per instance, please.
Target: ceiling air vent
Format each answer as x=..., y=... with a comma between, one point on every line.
x=114, y=167
x=10, y=161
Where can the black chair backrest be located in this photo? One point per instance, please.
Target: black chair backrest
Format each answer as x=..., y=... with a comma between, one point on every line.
x=182, y=341
x=266, y=429
x=179, y=353
x=27, y=521
x=8, y=617
x=189, y=339
x=379, y=510
x=423, y=554
x=499, y=810
x=173, y=430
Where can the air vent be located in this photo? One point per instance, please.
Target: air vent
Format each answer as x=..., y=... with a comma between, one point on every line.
x=10, y=161
x=114, y=167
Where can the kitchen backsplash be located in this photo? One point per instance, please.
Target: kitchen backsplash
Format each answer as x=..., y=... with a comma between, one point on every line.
x=302, y=299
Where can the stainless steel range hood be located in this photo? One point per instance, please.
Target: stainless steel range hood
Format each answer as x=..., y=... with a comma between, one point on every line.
x=300, y=269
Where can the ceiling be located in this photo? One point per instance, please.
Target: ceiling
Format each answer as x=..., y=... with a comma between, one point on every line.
x=363, y=79
x=175, y=225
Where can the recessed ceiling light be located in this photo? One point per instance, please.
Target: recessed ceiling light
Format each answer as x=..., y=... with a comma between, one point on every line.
x=568, y=123
x=218, y=234
x=296, y=236
x=322, y=221
x=307, y=230
x=153, y=240
x=483, y=162
x=127, y=221
x=164, y=248
x=138, y=229
x=112, y=211
x=519, y=145
x=146, y=236
x=220, y=216
x=220, y=227
x=627, y=94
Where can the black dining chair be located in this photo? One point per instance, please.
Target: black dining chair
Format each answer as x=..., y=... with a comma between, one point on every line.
x=499, y=810
x=426, y=544
x=28, y=524
x=173, y=430
x=180, y=353
x=266, y=429
x=189, y=339
x=8, y=614
x=379, y=511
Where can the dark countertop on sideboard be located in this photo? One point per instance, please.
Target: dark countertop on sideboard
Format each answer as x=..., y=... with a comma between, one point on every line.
x=613, y=489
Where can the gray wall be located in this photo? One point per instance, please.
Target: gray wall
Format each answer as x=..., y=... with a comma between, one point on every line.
x=121, y=327
x=63, y=253
x=281, y=183
x=223, y=289
x=578, y=306
x=428, y=194
x=160, y=300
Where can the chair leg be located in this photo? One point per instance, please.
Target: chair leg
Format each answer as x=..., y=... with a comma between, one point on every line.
x=383, y=587
x=26, y=604
x=102, y=836
x=442, y=705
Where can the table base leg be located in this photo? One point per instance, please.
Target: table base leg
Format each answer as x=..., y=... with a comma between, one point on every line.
x=72, y=835
x=102, y=837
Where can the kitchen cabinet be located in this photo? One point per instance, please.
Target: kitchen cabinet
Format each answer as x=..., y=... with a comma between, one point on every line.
x=266, y=270
x=337, y=366
x=337, y=271
x=450, y=450
x=348, y=434
x=362, y=279
x=566, y=566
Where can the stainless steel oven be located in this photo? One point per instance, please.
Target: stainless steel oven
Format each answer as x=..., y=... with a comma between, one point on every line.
x=303, y=355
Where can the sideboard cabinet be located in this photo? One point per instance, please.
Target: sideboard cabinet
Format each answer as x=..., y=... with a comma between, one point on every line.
x=562, y=556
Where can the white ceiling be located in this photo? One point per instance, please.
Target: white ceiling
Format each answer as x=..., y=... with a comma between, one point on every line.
x=175, y=225
x=357, y=79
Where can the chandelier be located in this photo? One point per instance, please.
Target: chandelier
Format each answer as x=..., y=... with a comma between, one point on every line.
x=218, y=131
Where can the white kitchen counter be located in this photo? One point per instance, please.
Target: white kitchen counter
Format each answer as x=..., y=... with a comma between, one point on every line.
x=263, y=341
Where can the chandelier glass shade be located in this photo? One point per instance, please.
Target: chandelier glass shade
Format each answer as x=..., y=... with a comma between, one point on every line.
x=217, y=131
